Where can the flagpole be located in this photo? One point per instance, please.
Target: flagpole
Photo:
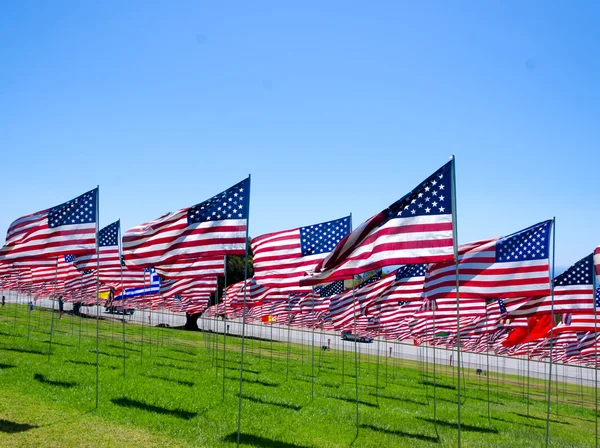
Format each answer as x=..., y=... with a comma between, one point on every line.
x=313, y=344
x=224, y=321
x=97, y=291
x=595, y=283
x=455, y=246
x=122, y=297
x=239, y=422
x=551, y=328
x=52, y=323
x=355, y=349
x=287, y=364
x=143, y=318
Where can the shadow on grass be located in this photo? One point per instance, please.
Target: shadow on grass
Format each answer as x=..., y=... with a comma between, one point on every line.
x=42, y=379
x=100, y=352
x=190, y=361
x=62, y=344
x=24, y=350
x=13, y=427
x=173, y=366
x=293, y=407
x=186, y=352
x=305, y=380
x=463, y=427
x=128, y=403
x=405, y=400
x=10, y=335
x=245, y=370
x=438, y=385
x=423, y=437
x=539, y=418
x=129, y=349
x=249, y=381
x=89, y=363
x=514, y=423
x=172, y=380
x=251, y=439
x=6, y=366
x=352, y=400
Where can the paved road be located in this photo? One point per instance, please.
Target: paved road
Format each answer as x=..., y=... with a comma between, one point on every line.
x=404, y=350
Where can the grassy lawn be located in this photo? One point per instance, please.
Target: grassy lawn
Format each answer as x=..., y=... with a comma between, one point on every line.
x=172, y=394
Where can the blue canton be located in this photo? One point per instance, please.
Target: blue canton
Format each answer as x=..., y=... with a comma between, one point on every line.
x=372, y=279
x=403, y=302
x=529, y=244
x=598, y=298
x=231, y=204
x=69, y=258
x=81, y=210
x=410, y=271
x=109, y=235
x=431, y=197
x=323, y=237
x=502, y=306
x=331, y=289
x=581, y=273
x=87, y=272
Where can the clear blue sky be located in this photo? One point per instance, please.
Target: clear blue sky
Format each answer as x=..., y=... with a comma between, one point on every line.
x=333, y=107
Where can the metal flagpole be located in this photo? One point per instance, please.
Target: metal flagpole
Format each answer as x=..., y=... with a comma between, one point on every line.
x=97, y=291
x=287, y=364
x=551, y=336
x=224, y=322
x=79, y=310
x=355, y=349
x=595, y=282
x=487, y=357
x=143, y=319
x=122, y=297
x=243, y=320
x=313, y=344
x=54, y=297
x=455, y=244
x=434, y=379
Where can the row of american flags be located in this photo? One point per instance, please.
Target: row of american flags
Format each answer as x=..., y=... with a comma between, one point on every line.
x=419, y=283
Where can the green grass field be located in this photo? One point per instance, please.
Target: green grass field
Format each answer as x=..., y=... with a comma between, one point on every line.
x=172, y=394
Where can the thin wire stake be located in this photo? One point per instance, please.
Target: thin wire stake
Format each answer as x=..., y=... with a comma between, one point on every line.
x=239, y=434
x=551, y=336
x=52, y=324
x=455, y=244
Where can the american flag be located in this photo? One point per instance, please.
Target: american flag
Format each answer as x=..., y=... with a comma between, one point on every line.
x=185, y=268
x=580, y=321
x=398, y=300
x=188, y=286
x=67, y=229
x=108, y=256
x=415, y=229
x=215, y=227
x=573, y=293
x=597, y=263
x=511, y=266
x=281, y=259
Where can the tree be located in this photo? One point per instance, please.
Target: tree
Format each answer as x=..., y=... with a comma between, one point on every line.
x=235, y=273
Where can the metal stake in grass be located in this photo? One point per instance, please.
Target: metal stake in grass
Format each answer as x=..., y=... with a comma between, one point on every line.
x=224, y=322
x=52, y=324
x=455, y=247
x=243, y=321
x=551, y=336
